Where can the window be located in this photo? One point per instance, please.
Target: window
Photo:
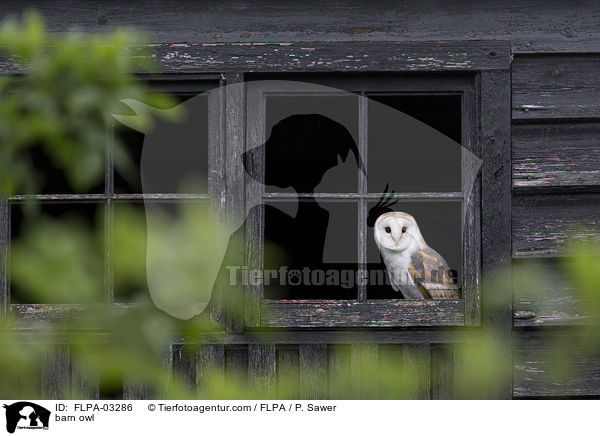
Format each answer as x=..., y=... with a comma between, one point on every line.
x=460, y=90
x=106, y=203
x=412, y=135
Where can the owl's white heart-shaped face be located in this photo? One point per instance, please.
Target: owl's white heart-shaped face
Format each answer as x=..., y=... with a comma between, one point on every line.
x=397, y=231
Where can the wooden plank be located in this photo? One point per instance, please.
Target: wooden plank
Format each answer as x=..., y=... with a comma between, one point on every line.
x=328, y=57
x=374, y=313
x=414, y=335
x=255, y=135
x=555, y=363
x=84, y=386
x=543, y=224
x=262, y=369
x=442, y=371
x=210, y=368
x=288, y=373
x=543, y=296
x=217, y=191
x=236, y=368
x=364, y=365
x=233, y=185
x=40, y=316
x=552, y=26
x=392, y=380
x=56, y=373
x=313, y=371
x=550, y=310
x=215, y=57
x=556, y=86
x=4, y=244
x=417, y=368
x=496, y=171
x=555, y=155
x=471, y=172
x=184, y=363
x=467, y=383
x=136, y=391
x=361, y=231
x=339, y=379
x=496, y=215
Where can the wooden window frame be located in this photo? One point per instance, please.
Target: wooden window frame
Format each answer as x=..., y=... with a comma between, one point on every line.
x=35, y=315
x=362, y=312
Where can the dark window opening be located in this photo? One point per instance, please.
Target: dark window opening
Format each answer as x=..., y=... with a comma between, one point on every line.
x=403, y=154
x=316, y=245
x=129, y=253
x=25, y=222
x=175, y=153
x=311, y=144
x=50, y=177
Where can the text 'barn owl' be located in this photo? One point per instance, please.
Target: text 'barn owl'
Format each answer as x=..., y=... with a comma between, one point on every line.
x=416, y=270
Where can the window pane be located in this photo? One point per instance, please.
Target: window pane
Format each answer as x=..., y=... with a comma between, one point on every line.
x=50, y=178
x=321, y=237
x=57, y=253
x=414, y=143
x=129, y=251
x=440, y=224
x=130, y=237
x=175, y=158
x=311, y=144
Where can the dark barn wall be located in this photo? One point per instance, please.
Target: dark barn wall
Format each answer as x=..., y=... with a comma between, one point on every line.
x=555, y=135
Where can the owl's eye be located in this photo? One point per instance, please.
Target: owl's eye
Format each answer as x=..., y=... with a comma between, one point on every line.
x=388, y=230
x=403, y=229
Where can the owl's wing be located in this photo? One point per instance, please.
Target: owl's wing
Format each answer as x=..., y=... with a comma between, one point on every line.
x=401, y=283
x=431, y=273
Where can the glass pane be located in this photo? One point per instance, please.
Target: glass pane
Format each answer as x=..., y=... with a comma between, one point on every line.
x=50, y=178
x=414, y=143
x=57, y=253
x=311, y=250
x=129, y=252
x=130, y=243
x=311, y=144
x=175, y=157
x=440, y=225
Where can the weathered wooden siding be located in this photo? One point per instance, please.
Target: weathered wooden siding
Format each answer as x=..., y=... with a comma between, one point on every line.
x=533, y=26
x=556, y=180
x=555, y=150
x=338, y=371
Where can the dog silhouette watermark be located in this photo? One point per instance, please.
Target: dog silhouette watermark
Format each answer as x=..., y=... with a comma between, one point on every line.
x=26, y=415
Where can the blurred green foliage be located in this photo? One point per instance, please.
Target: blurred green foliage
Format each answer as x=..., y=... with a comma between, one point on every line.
x=63, y=102
x=56, y=256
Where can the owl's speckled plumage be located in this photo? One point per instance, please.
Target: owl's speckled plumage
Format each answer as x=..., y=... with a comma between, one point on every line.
x=416, y=270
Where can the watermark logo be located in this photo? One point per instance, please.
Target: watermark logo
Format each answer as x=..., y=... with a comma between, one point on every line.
x=25, y=415
x=344, y=278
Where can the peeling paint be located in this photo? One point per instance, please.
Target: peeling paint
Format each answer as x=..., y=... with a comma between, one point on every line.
x=359, y=30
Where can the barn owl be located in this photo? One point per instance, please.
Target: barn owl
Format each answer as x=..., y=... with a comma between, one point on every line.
x=415, y=270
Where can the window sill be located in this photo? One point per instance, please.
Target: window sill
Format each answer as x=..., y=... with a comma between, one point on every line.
x=374, y=313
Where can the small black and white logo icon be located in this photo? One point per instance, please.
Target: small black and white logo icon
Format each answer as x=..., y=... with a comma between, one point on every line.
x=26, y=415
